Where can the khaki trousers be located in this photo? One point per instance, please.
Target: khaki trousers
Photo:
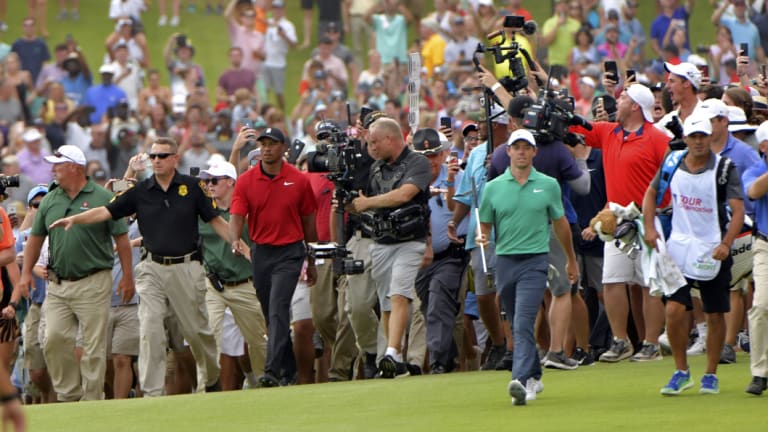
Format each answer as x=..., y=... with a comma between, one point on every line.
x=180, y=287
x=332, y=322
x=758, y=314
x=84, y=303
x=246, y=310
x=361, y=297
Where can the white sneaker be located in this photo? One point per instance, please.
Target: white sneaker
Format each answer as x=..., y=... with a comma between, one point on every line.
x=664, y=341
x=532, y=387
x=174, y=21
x=162, y=21
x=698, y=348
x=518, y=392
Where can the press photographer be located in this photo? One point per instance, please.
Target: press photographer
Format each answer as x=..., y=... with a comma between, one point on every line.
x=395, y=213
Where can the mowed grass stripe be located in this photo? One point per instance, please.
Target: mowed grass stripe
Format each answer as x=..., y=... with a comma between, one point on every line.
x=601, y=397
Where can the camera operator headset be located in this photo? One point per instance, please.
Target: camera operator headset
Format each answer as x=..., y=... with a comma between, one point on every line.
x=551, y=115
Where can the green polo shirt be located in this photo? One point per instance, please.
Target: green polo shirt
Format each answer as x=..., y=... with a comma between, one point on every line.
x=521, y=213
x=84, y=249
x=218, y=255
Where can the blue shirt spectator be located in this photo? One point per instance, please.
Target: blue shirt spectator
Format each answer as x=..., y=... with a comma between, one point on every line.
x=761, y=205
x=475, y=169
x=661, y=24
x=744, y=32
x=440, y=215
x=37, y=294
x=75, y=88
x=32, y=53
x=104, y=96
x=743, y=156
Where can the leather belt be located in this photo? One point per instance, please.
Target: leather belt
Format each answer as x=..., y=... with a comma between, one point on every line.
x=77, y=278
x=235, y=283
x=167, y=260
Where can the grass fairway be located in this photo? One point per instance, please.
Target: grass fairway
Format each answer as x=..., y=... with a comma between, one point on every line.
x=600, y=397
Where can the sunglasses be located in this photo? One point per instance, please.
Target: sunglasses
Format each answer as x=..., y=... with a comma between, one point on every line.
x=215, y=180
x=154, y=156
x=35, y=204
x=59, y=155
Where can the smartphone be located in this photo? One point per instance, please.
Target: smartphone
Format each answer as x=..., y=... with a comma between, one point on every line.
x=631, y=75
x=762, y=70
x=194, y=171
x=181, y=40
x=453, y=157
x=364, y=111
x=295, y=151
x=120, y=186
x=247, y=122
x=744, y=49
x=704, y=71
x=446, y=123
x=514, y=21
x=611, y=70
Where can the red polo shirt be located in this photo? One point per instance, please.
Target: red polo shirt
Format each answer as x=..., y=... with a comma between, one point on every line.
x=630, y=161
x=274, y=207
x=323, y=190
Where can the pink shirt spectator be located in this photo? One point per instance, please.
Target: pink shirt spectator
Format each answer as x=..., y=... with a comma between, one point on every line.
x=252, y=44
x=33, y=166
x=605, y=50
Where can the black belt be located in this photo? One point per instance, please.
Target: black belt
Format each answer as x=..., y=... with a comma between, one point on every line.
x=235, y=283
x=77, y=278
x=453, y=251
x=167, y=260
x=761, y=236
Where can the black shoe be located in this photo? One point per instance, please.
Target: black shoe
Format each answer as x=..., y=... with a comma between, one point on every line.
x=437, y=369
x=584, y=358
x=268, y=380
x=494, y=357
x=369, y=367
x=506, y=362
x=215, y=387
x=727, y=355
x=413, y=369
x=757, y=386
x=287, y=381
x=391, y=368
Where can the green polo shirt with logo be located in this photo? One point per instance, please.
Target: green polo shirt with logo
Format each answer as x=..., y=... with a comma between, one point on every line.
x=521, y=213
x=218, y=256
x=83, y=249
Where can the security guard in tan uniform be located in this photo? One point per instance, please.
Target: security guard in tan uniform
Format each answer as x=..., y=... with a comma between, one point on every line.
x=167, y=206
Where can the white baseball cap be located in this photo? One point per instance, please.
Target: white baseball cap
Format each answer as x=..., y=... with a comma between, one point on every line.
x=222, y=169
x=642, y=96
x=697, y=122
x=522, y=135
x=215, y=159
x=712, y=108
x=737, y=120
x=31, y=134
x=686, y=70
x=501, y=119
x=762, y=132
x=255, y=153
x=108, y=68
x=588, y=81
x=67, y=153
x=485, y=3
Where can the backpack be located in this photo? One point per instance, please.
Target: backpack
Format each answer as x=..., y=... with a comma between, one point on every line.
x=669, y=166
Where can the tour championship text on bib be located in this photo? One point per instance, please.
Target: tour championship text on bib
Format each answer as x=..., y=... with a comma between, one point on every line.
x=695, y=224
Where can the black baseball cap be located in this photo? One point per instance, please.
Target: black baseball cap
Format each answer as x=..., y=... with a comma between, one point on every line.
x=273, y=133
x=427, y=141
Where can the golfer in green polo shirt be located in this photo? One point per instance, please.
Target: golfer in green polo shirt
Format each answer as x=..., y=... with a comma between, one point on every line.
x=519, y=205
x=79, y=277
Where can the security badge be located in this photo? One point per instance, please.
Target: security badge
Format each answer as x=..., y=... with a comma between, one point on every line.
x=183, y=190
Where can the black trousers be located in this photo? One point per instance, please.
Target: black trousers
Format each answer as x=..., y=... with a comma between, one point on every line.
x=276, y=271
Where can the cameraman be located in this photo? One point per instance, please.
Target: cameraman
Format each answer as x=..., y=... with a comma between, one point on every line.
x=399, y=190
x=569, y=168
x=360, y=290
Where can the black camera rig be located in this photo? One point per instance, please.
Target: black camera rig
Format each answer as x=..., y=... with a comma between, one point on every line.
x=339, y=157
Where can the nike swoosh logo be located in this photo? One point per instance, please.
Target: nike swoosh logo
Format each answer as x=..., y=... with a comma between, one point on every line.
x=538, y=190
x=592, y=169
x=287, y=183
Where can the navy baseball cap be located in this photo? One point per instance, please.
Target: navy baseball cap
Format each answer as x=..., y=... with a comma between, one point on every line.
x=272, y=133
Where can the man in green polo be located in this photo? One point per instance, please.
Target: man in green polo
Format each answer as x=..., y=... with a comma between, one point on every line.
x=79, y=277
x=230, y=282
x=519, y=205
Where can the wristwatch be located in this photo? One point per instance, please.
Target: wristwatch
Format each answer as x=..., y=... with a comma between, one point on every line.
x=14, y=304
